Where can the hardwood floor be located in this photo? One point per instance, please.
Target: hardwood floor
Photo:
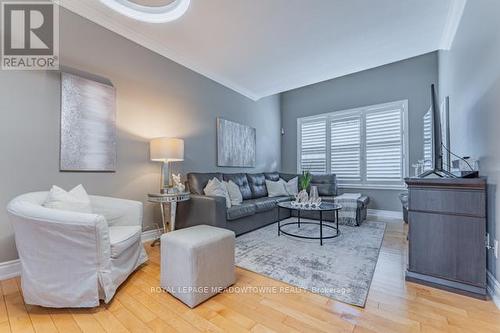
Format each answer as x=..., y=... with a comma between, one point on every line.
x=393, y=306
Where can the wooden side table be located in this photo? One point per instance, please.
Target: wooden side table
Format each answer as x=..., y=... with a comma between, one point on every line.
x=170, y=199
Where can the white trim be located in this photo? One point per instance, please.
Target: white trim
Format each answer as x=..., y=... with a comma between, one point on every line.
x=83, y=8
x=453, y=19
x=391, y=214
x=493, y=287
x=150, y=235
x=150, y=14
x=373, y=187
x=10, y=269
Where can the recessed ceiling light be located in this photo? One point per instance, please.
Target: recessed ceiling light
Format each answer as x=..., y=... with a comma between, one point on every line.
x=150, y=14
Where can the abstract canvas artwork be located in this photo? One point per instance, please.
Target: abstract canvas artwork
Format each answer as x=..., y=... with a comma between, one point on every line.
x=88, y=129
x=235, y=144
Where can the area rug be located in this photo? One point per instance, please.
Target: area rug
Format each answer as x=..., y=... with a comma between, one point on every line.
x=341, y=269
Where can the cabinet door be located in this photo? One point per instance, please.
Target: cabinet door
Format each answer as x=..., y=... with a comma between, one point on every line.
x=461, y=202
x=448, y=246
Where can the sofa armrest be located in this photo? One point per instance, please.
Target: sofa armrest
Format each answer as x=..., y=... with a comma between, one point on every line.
x=363, y=201
x=201, y=209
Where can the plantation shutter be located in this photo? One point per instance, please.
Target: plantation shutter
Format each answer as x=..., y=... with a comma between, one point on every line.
x=384, y=156
x=427, y=141
x=313, y=146
x=363, y=147
x=345, y=149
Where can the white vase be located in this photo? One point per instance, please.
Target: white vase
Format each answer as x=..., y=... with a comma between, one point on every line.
x=314, y=193
x=302, y=196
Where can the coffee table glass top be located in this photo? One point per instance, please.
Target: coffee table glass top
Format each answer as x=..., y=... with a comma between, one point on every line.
x=325, y=206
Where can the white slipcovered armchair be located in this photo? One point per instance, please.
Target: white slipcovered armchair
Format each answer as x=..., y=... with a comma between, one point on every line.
x=73, y=259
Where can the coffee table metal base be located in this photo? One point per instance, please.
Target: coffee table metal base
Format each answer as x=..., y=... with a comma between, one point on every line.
x=321, y=224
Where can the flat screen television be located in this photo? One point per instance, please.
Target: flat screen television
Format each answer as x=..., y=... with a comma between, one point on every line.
x=437, y=168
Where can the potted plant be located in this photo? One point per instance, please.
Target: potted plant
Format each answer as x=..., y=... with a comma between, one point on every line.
x=305, y=180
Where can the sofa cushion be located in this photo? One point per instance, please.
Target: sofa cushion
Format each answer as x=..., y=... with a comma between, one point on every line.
x=217, y=188
x=245, y=209
x=76, y=200
x=198, y=181
x=288, y=176
x=263, y=204
x=123, y=237
x=234, y=193
x=257, y=182
x=326, y=184
x=241, y=180
x=276, y=189
x=272, y=176
x=291, y=186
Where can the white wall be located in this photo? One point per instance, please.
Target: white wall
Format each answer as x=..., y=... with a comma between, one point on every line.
x=407, y=79
x=470, y=74
x=155, y=97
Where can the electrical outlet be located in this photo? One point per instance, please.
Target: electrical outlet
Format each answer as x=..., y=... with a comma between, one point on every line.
x=496, y=249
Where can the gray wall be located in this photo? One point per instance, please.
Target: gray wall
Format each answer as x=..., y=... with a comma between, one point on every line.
x=408, y=79
x=470, y=74
x=155, y=97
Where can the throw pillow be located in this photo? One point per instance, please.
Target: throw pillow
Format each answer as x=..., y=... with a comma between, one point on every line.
x=234, y=193
x=216, y=188
x=76, y=200
x=276, y=189
x=292, y=186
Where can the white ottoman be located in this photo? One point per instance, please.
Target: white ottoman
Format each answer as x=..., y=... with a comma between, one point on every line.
x=197, y=262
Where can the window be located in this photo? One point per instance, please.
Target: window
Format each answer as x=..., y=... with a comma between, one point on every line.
x=345, y=156
x=428, y=141
x=313, y=143
x=363, y=147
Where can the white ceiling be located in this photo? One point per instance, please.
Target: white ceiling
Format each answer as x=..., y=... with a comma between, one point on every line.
x=263, y=47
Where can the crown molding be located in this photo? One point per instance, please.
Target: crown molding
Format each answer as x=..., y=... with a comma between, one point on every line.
x=453, y=18
x=86, y=10
x=100, y=16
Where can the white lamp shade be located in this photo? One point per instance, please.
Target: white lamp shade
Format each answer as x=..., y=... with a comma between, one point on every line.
x=166, y=150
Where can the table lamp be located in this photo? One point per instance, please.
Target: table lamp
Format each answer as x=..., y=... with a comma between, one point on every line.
x=166, y=150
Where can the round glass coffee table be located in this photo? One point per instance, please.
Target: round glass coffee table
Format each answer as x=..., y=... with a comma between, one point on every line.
x=324, y=207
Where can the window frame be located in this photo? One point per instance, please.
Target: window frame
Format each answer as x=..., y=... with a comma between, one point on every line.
x=361, y=113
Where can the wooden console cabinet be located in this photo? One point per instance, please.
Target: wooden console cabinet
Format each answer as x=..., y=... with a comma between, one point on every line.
x=446, y=237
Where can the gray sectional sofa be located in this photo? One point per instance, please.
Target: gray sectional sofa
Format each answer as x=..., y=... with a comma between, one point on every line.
x=257, y=209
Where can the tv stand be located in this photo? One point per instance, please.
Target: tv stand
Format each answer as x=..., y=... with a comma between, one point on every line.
x=447, y=228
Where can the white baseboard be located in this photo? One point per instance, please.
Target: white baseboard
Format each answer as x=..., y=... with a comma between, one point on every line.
x=385, y=213
x=150, y=235
x=493, y=289
x=10, y=269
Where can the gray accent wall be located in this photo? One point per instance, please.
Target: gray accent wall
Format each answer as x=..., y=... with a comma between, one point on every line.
x=155, y=97
x=407, y=79
x=470, y=74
